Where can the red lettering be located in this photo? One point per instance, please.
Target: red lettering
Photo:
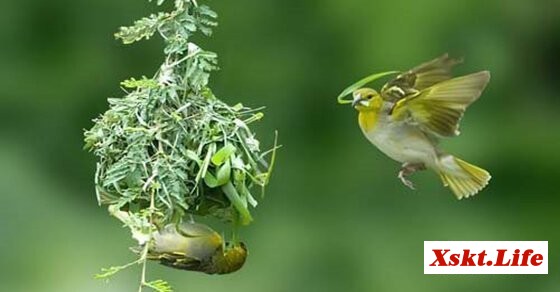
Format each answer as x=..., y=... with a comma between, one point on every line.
x=454, y=259
x=515, y=260
x=481, y=256
x=440, y=257
x=468, y=258
x=525, y=257
x=500, y=258
x=536, y=260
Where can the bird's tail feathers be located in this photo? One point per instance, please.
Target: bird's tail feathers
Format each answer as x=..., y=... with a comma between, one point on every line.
x=464, y=179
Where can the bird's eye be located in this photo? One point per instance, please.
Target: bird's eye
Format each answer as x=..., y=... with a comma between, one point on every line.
x=369, y=96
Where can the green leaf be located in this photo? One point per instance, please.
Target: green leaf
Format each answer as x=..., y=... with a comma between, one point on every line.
x=159, y=286
x=223, y=154
x=142, y=83
x=360, y=84
x=141, y=29
x=205, y=10
x=192, y=156
x=204, y=168
x=237, y=107
x=223, y=176
x=210, y=180
x=108, y=272
x=224, y=173
x=246, y=195
x=239, y=204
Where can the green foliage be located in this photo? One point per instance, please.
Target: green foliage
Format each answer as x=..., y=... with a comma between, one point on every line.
x=108, y=272
x=170, y=147
x=145, y=82
x=159, y=286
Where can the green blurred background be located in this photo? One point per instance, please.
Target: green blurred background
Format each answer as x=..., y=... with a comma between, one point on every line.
x=335, y=217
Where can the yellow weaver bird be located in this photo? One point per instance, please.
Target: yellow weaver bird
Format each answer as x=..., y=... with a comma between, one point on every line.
x=196, y=247
x=411, y=112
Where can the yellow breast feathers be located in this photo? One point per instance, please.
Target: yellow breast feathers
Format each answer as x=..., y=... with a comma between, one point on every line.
x=367, y=120
x=369, y=115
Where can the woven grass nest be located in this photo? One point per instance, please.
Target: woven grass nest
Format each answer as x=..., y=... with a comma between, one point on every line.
x=190, y=154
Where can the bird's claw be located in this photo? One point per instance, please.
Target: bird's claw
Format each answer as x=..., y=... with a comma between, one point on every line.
x=405, y=181
x=408, y=169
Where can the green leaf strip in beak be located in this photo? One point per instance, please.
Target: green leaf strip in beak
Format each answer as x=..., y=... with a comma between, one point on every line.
x=360, y=84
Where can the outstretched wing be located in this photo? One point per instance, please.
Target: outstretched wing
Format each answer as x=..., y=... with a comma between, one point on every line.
x=438, y=109
x=419, y=78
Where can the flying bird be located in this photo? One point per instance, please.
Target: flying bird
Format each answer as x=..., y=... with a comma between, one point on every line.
x=412, y=112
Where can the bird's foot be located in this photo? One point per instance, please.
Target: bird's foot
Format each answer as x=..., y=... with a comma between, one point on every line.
x=402, y=176
x=406, y=170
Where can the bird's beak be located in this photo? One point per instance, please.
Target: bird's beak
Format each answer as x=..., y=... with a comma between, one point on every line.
x=357, y=99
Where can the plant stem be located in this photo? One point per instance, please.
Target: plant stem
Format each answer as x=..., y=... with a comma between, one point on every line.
x=144, y=263
x=144, y=257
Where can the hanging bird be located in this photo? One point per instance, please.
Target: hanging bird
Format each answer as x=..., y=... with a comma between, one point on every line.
x=196, y=247
x=411, y=112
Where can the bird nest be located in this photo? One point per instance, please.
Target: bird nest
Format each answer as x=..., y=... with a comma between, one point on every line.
x=180, y=153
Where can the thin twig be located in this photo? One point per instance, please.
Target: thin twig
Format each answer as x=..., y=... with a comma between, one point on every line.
x=143, y=260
